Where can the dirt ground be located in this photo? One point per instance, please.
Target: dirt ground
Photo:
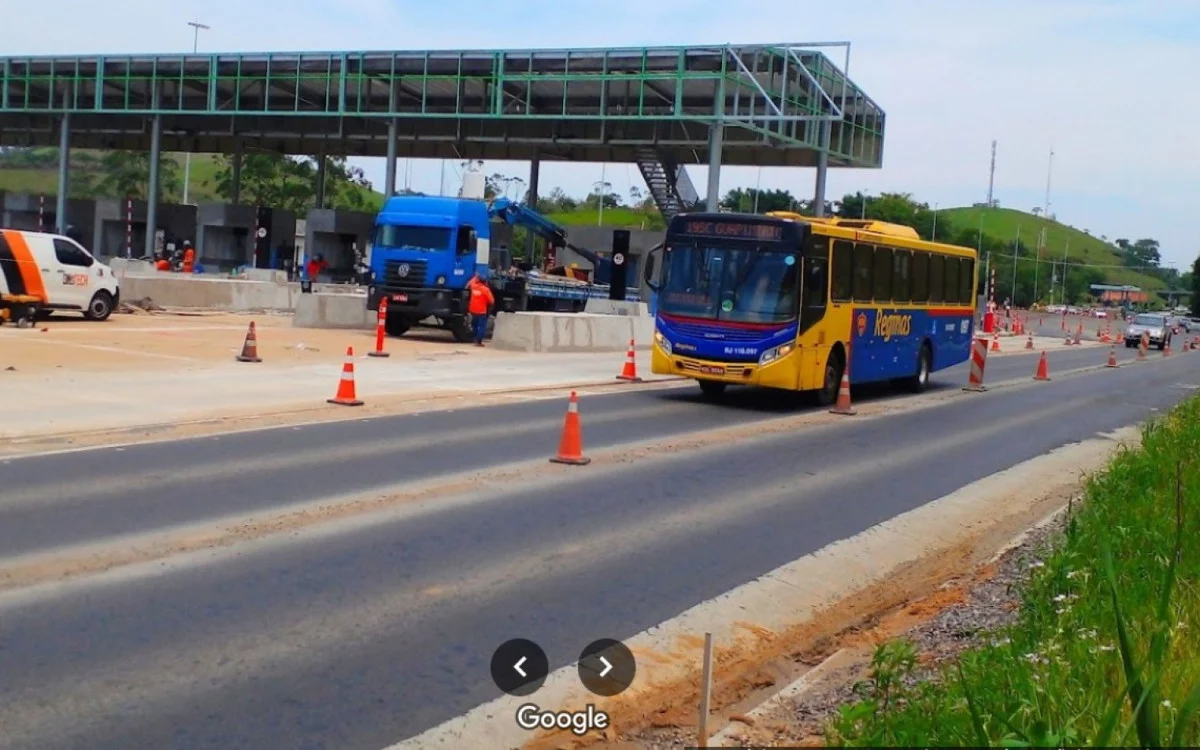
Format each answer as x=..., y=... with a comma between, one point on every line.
x=172, y=341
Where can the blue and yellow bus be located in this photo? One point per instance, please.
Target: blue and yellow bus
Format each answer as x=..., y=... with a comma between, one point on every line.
x=786, y=301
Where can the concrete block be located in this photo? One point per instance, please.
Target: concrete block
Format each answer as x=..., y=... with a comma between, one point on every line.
x=333, y=311
x=570, y=332
x=200, y=292
x=265, y=274
x=616, y=307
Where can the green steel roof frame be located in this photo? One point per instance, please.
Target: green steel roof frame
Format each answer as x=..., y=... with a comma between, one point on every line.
x=581, y=104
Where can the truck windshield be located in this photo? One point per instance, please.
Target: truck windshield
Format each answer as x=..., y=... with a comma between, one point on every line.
x=751, y=284
x=1148, y=320
x=424, y=238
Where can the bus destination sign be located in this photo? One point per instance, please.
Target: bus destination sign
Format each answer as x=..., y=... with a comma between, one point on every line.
x=735, y=230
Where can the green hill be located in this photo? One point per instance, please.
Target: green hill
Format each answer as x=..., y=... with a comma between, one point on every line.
x=1001, y=224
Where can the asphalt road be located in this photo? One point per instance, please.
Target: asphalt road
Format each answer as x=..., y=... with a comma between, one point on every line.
x=365, y=634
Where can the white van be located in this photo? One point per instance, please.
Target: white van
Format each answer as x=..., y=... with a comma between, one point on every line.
x=57, y=270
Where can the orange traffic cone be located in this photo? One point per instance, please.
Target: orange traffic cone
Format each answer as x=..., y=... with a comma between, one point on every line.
x=570, y=446
x=1043, y=369
x=250, y=347
x=629, y=372
x=842, y=406
x=1078, y=336
x=1167, y=349
x=345, y=392
x=380, y=330
x=995, y=342
x=1029, y=342
x=1112, y=357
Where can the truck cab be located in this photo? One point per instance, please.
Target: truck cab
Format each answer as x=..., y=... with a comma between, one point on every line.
x=424, y=250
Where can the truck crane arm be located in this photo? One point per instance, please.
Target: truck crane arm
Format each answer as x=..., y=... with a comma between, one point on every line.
x=517, y=214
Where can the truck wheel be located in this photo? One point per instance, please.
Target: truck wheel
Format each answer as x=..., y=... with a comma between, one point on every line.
x=460, y=328
x=397, y=325
x=100, y=307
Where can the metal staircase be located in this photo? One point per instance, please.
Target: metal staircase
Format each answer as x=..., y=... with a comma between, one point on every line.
x=668, y=183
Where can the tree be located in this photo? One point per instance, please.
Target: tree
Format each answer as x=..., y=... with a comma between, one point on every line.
x=743, y=200
x=1196, y=288
x=127, y=174
x=284, y=182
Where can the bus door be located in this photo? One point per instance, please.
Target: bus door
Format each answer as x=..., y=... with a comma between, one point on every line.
x=814, y=293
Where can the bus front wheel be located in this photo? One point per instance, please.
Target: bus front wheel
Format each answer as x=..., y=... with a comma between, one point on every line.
x=712, y=388
x=833, y=380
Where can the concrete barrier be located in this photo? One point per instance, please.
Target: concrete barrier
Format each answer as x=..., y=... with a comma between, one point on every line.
x=201, y=292
x=616, y=307
x=333, y=311
x=570, y=332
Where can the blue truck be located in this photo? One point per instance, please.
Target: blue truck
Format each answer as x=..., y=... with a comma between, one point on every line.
x=425, y=249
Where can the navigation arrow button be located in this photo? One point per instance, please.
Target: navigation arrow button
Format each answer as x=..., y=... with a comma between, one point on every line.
x=607, y=667
x=519, y=667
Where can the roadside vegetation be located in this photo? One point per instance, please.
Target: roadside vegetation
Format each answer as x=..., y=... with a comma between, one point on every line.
x=1105, y=650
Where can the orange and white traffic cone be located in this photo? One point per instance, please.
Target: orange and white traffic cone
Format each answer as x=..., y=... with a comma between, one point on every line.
x=1029, y=342
x=629, y=372
x=250, y=346
x=1043, y=368
x=842, y=405
x=1143, y=345
x=995, y=342
x=345, y=392
x=570, y=445
x=1112, y=357
x=380, y=330
x=1068, y=341
x=1078, y=336
x=1167, y=349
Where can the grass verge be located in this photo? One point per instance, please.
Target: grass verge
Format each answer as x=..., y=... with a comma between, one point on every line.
x=1105, y=650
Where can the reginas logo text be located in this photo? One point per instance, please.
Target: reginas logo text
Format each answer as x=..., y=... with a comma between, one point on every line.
x=887, y=326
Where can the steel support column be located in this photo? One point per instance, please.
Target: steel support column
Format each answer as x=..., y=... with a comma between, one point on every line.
x=152, y=193
x=64, y=162
x=389, y=181
x=716, y=139
x=321, y=159
x=236, y=173
x=535, y=168
x=818, y=207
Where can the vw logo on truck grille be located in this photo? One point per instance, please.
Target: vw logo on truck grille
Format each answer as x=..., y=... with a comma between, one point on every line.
x=402, y=270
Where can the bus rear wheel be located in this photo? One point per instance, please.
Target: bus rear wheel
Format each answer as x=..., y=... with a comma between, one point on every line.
x=833, y=380
x=920, y=380
x=713, y=389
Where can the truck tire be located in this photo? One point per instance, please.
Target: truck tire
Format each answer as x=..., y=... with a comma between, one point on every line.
x=460, y=328
x=397, y=325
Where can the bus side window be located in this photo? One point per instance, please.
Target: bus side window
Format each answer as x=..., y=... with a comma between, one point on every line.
x=966, y=282
x=937, y=277
x=864, y=262
x=920, y=277
x=843, y=271
x=952, y=280
x=882, y=277
x=901, y=276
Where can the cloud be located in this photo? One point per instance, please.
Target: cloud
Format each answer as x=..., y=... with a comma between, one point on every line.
x=1106, y=83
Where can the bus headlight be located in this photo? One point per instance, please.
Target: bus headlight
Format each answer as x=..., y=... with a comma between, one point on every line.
x=662, y=342
x=441, y=280
x=774, y=353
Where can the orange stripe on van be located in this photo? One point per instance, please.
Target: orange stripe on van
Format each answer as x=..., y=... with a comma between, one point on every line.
x=30, y=272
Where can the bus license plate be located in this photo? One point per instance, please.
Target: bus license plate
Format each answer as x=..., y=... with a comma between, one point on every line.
x=399, y=298
x=710, y=370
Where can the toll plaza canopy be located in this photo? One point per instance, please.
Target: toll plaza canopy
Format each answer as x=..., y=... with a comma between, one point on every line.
x=780, y=104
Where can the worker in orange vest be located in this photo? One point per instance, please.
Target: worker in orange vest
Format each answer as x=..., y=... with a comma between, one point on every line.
x=189, y=257
x=481, y=301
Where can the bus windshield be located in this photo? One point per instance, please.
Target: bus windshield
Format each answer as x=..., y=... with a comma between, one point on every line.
x=750, y=284
x=422, y=238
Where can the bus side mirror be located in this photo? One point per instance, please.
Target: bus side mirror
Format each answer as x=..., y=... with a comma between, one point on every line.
x=651, y=272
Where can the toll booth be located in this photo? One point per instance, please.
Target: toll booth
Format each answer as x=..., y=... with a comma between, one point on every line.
x=39, y=213
x=341, y=238
x=233, y=236
x=119, y=228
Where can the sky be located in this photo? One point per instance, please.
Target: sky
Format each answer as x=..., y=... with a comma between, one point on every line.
x=1108, y=85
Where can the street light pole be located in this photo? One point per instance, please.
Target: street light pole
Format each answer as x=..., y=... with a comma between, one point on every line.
x=197, y=27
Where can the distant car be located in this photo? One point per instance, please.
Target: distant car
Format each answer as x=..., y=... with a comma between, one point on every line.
x=1155, y=327
x=1099, y=314
x=1190, y=325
